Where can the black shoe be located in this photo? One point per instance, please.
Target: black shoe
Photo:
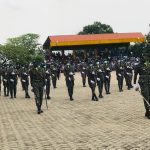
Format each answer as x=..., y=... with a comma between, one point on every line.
x=48, y=97
x=96, y=99
x=38, y=112
x=71, y=99
x=147, y=113
x=84, y=85
x=41, y=111
x=27, y=96
x=131, y=86
x=100, y=96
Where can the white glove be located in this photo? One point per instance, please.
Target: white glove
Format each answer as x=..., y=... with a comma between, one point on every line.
x=98, y=79
x=92, y=82
x=70, y=73
x=107, y=77
x=5, y=80
x=136, y=87
x=23, y=80
x=119, y=74
x=11, y=80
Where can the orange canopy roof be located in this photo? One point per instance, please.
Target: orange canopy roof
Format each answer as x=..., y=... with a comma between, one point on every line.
x=91, y=39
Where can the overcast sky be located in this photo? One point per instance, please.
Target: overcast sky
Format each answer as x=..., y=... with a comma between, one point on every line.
x=56, y=17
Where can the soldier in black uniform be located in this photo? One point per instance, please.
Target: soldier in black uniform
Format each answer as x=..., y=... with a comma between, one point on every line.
x=69, y=77
x=58, y=70
x=120, y=74
x=107, y=77
x=143, y=70
x=37, y=79
x=100, y=78
x=92, y=81
x=5, y=80
x=128, y=75
x=83, y=70
x=136, y=64
x=25, y=80
x=54, y=74
x=47, y=81
x=12, y=76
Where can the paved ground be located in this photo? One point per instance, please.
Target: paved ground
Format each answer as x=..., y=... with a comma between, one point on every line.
x=115, y=122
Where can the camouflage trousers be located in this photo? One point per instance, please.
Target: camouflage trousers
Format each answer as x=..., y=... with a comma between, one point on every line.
x=38, y=92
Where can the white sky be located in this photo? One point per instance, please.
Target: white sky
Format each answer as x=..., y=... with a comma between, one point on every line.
x=56, y=17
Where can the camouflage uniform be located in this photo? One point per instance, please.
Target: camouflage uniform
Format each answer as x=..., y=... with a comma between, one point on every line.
x=143, y=70
x=37, y=78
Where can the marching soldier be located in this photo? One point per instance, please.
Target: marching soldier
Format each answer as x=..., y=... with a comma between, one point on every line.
x=5, y=80
x=128, y=75
x=54, y=74
x=143, y=70
x=107, y=77
x=12, y=76
x=69, y=77
x=58, y=70
x=100, y=78
x=92, y=81
x=83, y=70
x=25, y=80
x=120, y=74
x=136, y=64
x=37, y=79
x=48, y=82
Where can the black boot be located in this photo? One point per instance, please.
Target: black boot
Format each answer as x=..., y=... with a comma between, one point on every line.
x=71, y=98
x=48, y=97
x=147, y=114
x=100, y=96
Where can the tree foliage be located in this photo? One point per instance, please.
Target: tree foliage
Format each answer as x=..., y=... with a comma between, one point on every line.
x=22, y=49
x=147, y=43
x=96, y=28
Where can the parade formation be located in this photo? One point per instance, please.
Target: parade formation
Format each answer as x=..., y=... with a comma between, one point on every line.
x=95, y=73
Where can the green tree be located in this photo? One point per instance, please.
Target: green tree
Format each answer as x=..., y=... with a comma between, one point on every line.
x=22, y=49
x=147, y=43
x=96, y=28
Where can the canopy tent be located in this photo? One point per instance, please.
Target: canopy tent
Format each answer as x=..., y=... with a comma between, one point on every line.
x=64, y=42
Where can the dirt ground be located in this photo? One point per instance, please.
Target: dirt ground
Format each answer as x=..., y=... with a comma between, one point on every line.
x=115, y=122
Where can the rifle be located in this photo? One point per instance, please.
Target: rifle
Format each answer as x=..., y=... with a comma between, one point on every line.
x=46, y=98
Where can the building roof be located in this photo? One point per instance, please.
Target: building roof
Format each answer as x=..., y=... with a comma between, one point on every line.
x=93, y=39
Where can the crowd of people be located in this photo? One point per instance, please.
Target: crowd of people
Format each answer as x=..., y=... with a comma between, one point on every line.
x=94, y=72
